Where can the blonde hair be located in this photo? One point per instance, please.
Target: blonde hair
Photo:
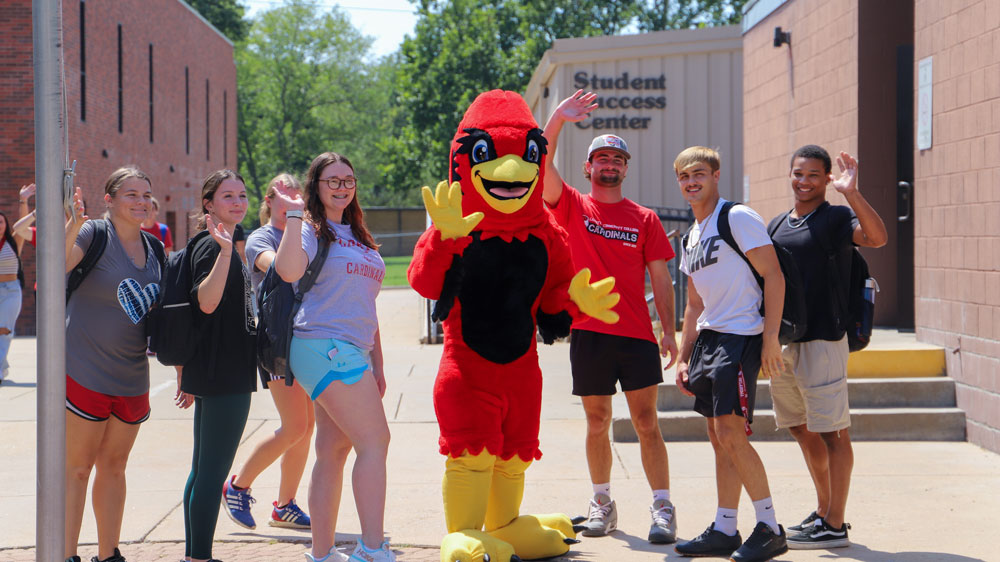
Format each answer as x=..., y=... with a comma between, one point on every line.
x=696, y=155
x=265, y=206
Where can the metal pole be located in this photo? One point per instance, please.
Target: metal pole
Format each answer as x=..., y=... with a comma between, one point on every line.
x=51, y=303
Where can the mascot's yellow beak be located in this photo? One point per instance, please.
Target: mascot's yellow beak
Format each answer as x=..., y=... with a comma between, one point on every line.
x=505, y=183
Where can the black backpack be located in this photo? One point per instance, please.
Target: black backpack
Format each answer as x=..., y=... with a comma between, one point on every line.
x=857, y=313
x=277, y=304
x=793, y=316
x=173, y=336
x=96, y=249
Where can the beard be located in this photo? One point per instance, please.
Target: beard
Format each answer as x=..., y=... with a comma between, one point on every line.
x=609, y=179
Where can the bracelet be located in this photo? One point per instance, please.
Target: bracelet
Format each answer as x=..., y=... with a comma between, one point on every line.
x=293, y=215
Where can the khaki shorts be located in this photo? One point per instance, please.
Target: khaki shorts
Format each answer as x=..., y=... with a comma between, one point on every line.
x=812, y=389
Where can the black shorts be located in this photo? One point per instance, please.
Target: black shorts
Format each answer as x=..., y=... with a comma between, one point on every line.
x=599, y=360
x=718, y=363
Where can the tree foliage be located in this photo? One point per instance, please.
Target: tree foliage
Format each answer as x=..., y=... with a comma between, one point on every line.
x=659, y=15
x=306, y=87
x=225, y=15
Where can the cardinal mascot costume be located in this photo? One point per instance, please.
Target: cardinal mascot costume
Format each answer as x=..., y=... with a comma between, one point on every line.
x=498, y=266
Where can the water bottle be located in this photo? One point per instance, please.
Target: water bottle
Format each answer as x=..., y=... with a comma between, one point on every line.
x=868, y=309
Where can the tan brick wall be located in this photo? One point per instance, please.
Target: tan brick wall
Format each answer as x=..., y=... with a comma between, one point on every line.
x=957, y=202
x=806, y=93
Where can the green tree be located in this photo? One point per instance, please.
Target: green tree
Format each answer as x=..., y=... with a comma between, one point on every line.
x=306, y=85
x=684, y=14
x=225, y=15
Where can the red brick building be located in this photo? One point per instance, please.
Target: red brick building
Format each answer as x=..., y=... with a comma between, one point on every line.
x=148, y=82
x=913, y=88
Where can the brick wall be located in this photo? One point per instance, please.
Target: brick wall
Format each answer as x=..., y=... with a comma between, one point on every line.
x=805, y=93
x=957, y=202
x=17, y=125
x=180, y=38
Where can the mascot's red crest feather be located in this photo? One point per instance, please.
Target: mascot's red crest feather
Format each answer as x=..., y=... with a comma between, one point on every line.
x=498, y=157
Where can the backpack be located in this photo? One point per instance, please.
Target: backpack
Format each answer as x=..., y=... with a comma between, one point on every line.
x=277, y=304
x=793, y=316
x=173, y=336
x=96, y=249
x=856, y=315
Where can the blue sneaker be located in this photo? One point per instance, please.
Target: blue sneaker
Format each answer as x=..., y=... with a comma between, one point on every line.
x=237, y=504
x=290, y=516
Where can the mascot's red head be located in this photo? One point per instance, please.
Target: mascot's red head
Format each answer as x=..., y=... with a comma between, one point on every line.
x=498, y=156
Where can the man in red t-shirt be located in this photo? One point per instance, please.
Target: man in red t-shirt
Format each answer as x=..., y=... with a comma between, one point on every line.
x=615, y=236
x=158, y=229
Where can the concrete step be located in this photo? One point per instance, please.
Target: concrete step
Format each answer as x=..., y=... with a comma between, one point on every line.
x=887, y=361
x=867, y=424
x=909, y=392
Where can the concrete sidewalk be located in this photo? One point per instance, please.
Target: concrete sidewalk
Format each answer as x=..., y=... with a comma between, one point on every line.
x=928, y=501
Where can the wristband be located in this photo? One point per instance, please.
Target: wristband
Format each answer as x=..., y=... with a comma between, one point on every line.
x=293, y=215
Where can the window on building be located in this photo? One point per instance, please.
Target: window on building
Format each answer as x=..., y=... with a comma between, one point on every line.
x=83, y=61
x=225, y=128
x=207, y=99
x=150, y=92
x=187, y=113
x=121, y=105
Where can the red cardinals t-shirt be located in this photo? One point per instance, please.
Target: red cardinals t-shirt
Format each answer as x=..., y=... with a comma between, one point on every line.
x=618, y=240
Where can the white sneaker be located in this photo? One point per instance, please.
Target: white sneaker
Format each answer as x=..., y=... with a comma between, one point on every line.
x=383, y=554
x=333, y=556
x=603, y=517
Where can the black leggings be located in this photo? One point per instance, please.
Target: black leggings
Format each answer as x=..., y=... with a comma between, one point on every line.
x=218, y=427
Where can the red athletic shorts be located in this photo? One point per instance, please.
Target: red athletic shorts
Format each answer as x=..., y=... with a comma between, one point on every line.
x=95, y=406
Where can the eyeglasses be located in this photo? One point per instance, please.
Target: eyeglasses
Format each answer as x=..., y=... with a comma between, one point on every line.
x=335, y=183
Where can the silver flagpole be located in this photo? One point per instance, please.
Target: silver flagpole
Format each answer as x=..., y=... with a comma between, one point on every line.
x=51, y=302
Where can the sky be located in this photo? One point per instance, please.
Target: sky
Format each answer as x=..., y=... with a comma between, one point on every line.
x=387, y=21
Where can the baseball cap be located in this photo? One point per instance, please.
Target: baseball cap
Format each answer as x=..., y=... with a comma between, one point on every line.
x=608, y=141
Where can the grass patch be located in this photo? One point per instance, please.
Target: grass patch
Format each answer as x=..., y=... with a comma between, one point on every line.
x=395, y=271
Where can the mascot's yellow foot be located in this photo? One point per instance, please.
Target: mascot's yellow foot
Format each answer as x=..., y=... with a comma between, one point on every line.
x=538, y=536
x=476, y=546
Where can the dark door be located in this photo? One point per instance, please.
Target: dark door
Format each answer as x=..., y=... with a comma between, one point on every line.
x=904, y=191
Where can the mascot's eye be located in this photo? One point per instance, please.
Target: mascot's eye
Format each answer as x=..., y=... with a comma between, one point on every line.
x=532, y=154
x=480, y=151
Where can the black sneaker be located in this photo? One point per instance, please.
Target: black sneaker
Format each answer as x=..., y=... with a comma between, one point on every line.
x=762, y=545
x=807, y=522
x=74, y=559
x=116, y=557
x=710, y=543
x=820, y=535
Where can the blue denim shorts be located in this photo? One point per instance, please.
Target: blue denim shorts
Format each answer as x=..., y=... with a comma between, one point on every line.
x=318, y=362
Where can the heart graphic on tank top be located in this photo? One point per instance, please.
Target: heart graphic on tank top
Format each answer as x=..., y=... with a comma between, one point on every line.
x=137, y=300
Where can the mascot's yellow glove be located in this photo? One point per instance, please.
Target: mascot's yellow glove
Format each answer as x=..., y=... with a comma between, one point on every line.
x=594, y=299
x=445, y=209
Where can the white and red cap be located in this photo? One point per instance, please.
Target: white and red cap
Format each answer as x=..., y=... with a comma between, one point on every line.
x=613, y=142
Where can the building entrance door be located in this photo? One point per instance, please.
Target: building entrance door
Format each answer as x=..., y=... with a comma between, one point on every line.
x=904, y=194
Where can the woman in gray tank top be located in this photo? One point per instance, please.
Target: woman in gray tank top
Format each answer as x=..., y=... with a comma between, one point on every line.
x=107, y=380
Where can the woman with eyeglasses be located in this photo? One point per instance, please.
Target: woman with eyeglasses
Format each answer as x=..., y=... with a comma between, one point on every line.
x=336, y=354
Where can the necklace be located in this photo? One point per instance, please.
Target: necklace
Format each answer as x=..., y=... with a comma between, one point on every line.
x=798, y=222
